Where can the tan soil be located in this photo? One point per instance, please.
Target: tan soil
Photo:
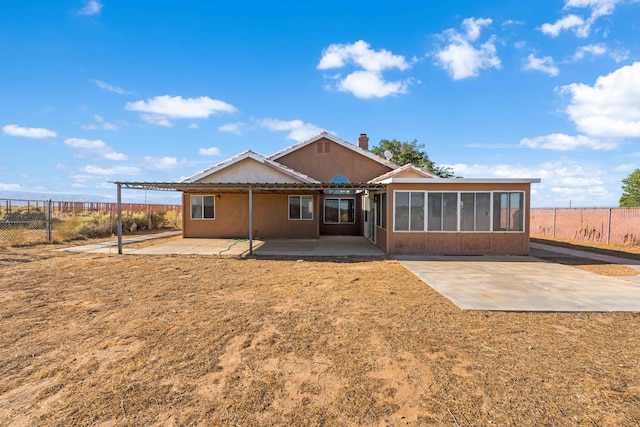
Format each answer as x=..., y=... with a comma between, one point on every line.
x=88, y=339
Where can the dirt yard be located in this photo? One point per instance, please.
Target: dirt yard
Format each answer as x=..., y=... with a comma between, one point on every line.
x=89, y=339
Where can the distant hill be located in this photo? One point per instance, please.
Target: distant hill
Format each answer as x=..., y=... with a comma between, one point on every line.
x=152, y=198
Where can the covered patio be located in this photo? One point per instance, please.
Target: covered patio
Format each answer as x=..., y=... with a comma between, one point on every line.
x=307, y=247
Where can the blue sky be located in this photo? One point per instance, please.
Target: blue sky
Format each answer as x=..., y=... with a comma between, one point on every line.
x=103, y=90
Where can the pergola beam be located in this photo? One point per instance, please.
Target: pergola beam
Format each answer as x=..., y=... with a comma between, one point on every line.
x=206, y=186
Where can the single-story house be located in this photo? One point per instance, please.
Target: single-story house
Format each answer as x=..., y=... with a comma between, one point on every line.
x=327, y=186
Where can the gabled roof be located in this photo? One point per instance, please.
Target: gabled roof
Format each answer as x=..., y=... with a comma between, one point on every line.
x=338, y=141
x=402, y=169
x=258, y=158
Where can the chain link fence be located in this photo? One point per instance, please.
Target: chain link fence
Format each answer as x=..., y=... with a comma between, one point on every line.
x=25, y=222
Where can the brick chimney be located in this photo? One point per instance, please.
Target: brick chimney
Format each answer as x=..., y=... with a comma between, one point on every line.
x=363, y=142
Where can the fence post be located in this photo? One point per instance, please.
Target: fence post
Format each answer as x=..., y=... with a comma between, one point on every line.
x=49, y=222
x=609, y=227
x=555, y=212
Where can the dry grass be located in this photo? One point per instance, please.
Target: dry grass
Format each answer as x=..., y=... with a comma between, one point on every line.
x=146, y=340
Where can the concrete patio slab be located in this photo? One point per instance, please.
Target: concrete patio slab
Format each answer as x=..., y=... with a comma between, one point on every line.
x=522, y=284
x=323, y=247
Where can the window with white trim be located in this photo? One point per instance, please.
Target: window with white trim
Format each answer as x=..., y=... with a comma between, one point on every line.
x=339, y=210
x=459, y=211
x=475, y=211
x=202, y=207
x=409, y=211
x=508, y=208
x=442, y=209
x=300, y=207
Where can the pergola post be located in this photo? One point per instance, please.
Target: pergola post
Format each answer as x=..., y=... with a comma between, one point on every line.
x=119, y=222
x=250, y=220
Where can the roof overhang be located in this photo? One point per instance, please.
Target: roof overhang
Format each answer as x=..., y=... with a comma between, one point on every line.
x=438, y=181
x=221, y=186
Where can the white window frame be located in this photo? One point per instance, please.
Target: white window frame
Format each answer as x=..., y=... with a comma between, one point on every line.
x=524, y=211
x=300, y=197
x=324, y=210
x=424, y=210
x=491, y=211
x=202, y=196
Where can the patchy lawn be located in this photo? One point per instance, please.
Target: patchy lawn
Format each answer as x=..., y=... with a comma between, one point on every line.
x=90, y=339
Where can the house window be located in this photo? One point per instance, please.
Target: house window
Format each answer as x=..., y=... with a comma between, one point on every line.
x=409, y=211
x=508, y=211
x=464, y=211
x=202, y=207
x=339, y=211
x=380, y=201
x=442, y=211
x=475, y=211
x=300, y=207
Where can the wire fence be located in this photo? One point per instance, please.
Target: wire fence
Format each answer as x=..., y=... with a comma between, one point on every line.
x=24, y=222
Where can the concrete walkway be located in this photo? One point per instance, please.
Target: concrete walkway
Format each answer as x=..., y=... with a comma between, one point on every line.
x=588, y=255
x=523, y=284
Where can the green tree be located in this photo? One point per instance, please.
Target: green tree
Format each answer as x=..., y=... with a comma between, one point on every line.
x=631, y=190
x=411, y=152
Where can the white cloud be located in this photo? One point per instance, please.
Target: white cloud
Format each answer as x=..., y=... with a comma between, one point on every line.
x=620, y=55
x=232, y=127
x=157, y=119
x=609, y=108
x=298, y=130
x=91, y=7
x=15, y=130
x=212, y=151
x=193, y=126
x=10, y=187
x=562, y=181
x=460, y=58
x=566, y=23
x=367, y=82
x=562, y=142
x=473, y=27
x=361, y=54
x=116, y=170
x=100, y=124
x=544, y=64
x=512, y=22
x=96, y=146
x=105, y=86
x=578, y=25
x=163, y=163
x=596, y=49
x=162, y=108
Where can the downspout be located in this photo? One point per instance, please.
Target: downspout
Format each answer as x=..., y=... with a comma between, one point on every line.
x=119, y=218
x=250, y=220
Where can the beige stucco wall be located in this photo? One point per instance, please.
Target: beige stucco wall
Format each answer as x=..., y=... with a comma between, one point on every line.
x=270, y=218
x=338, y=161
x=457, y=243
x=249, y=170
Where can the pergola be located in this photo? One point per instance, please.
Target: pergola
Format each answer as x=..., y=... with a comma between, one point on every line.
x=248, y=188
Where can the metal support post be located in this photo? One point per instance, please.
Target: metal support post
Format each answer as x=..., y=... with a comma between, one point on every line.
x=250, y=220
x=119, y=218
